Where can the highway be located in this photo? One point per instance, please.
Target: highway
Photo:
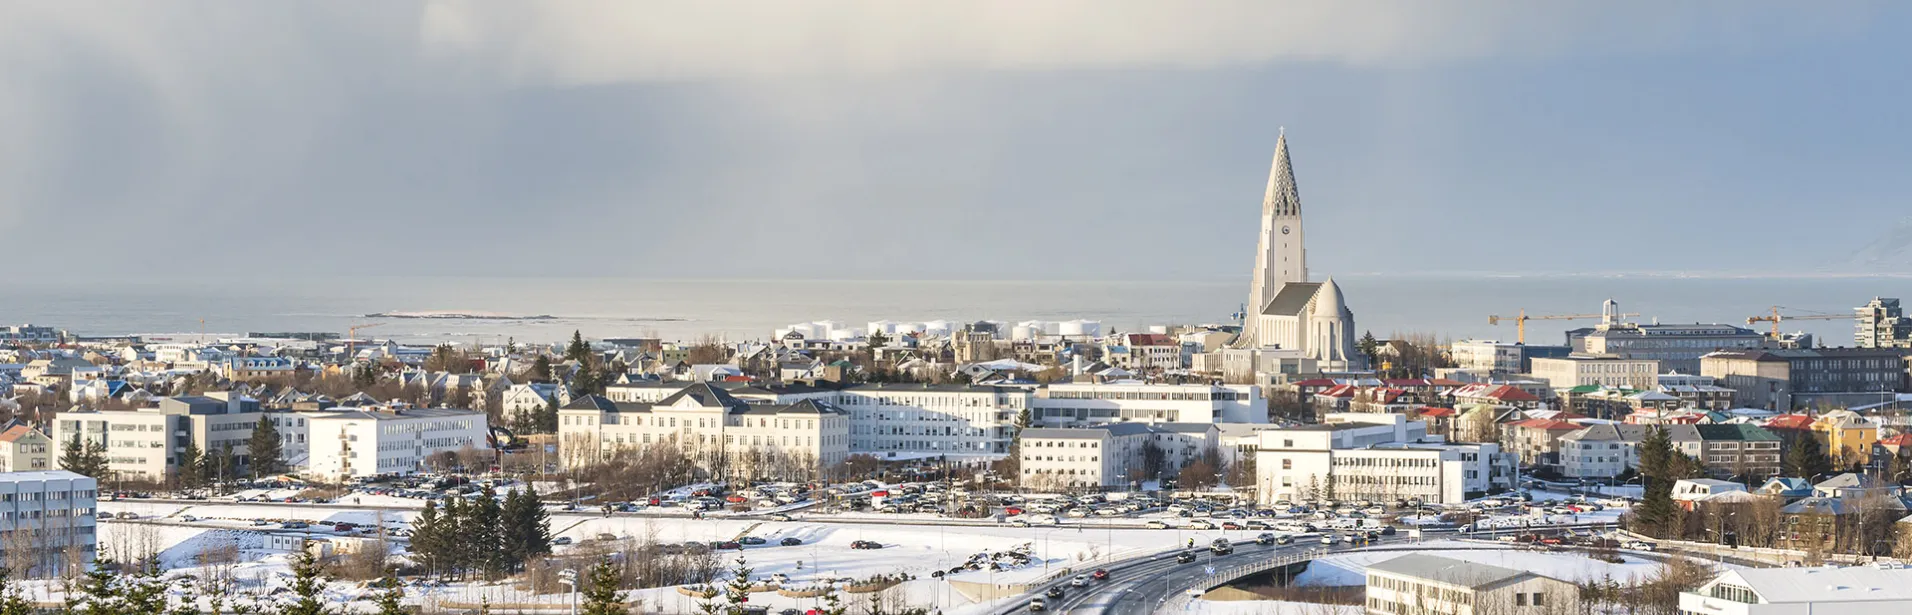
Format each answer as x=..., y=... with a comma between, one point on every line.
x=1138, y=586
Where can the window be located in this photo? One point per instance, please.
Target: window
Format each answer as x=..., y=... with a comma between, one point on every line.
x=1520, y=599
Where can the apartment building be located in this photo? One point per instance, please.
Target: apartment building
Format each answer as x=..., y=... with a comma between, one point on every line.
x=348, y=443
x=892, y=420
x=1374, y=456
x=1673, y=347
x=703, y=418
x=1422, y=584
x=1536, y=442
x=1882, y=324
x=50, y=514
x=1082, y=404
x=1105, y=456
x=24, y=449
x=1787, y=379
x=1582, y=370
x=1146, y=353
x=1606, y=450
x=145, y=443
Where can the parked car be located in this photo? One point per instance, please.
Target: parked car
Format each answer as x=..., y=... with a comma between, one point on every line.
x=752, y=540
x=790, y=542
x=727, y=545
x=561, y=540
x=1157, y=525
x=866, y=544
x=295, y=525
x=781, y=517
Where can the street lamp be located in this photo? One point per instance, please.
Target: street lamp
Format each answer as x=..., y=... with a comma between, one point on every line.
x=569, y=577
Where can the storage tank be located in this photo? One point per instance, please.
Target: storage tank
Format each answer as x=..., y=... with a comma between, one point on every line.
x=882, y=326
x=906, y=328
x=1072, y=328
x=1158, y=329
x=1023, y=333
x=936, y=327
x=1092, y=328
x=826, y=327
x=845, y=335
x=808, y=330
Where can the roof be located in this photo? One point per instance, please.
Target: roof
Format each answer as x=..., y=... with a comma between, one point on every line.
x=1446, y=570
x=1086, y=433
x=1436, y=412
x=1817, y=506
x=705, y=395
x=592, y=402
x=1294, y=297
x=1549, y=425
x=14, y=433
x=1828, y=585
x=1789, y=421
x=1736, y=431
x=43, y=475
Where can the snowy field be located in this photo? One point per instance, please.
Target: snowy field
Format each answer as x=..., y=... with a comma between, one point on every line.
x=1349, y=568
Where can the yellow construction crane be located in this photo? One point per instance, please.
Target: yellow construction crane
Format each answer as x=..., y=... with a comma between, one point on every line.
x=1775, y=317
x=351, y=341
x=1522, y=318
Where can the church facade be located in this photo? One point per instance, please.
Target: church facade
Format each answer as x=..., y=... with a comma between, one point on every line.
x=1303, y=326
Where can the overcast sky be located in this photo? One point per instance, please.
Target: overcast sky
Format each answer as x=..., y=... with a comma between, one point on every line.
x=987, y=140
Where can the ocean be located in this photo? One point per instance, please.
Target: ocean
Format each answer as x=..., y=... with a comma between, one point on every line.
x=1454, y=306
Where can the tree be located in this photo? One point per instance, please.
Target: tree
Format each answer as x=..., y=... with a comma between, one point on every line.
x=737, y=591
x=308, y=585
x=541, y=369
x=526, y=527
x=267, y=459
x=428, y=537
x=387, y=601
x=1807, y=459
x=587, y=381
x=548, y=417
x=190, y=474
x=601, y=594
x=12, y=600
x=88, y=458
x=1198, y=474
x=365, y=376
x=484, y=535
x=1369, y=348
x=578, y=350
x=1660, y=467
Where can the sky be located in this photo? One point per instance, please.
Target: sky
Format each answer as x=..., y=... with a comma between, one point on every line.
x=1064, y=139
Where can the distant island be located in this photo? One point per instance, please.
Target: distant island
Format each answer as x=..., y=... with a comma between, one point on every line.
x=459, y=316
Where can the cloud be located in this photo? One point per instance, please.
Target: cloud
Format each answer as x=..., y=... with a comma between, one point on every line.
x=601, y=42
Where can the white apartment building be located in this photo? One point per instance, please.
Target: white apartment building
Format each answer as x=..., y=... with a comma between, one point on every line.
x=1486, y=355
x=1089, y=457
x=347, y=443
x=522, y=398
x=703, y=418
x=1375, y=457
x=51, y=513
x=1422, y=584
x=24, y=449
x=1606, y=450
x=1581, y=370
x=1853, y=590
x=1081, y=405
x=146, y=443
x=915, y=419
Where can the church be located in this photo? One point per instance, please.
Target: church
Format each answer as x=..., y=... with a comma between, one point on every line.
x=1290, y=322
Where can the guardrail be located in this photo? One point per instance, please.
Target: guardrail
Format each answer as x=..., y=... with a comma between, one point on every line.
x=1181, y=601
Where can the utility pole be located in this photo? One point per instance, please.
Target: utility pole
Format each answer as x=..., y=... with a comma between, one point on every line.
x=569, y=577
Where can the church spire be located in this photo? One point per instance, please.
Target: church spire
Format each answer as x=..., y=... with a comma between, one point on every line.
x=1282, y=199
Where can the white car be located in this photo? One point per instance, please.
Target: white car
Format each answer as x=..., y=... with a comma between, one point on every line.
x=1081, y=580
x=1330, y=539
x=1641, y=545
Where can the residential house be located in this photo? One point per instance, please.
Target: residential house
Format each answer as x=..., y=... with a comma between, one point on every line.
x=1852, y=590
x=24, y=449
x=1536, y=442
x=1847, y=436
x=1739, y=449
x=1423, y=584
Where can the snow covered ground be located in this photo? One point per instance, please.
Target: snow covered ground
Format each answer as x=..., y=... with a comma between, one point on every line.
x=1350, y=568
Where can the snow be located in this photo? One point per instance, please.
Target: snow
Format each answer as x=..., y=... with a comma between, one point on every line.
x=1350, y=568
x=1270, y=607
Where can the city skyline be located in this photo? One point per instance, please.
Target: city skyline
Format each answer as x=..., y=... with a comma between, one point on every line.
x=1020, y=145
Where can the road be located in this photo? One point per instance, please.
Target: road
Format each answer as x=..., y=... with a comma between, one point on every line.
x=1138, y=586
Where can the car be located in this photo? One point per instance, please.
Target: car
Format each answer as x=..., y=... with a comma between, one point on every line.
x=1199, y=524
x=781, y=517
x=108, y=515
x=1231, y=525
x=1284, y=539
x=295, y=525
x=1054, y=593
x=561, y=540
x=1330, y=539
x=1265, y=539
x=188, y=518
x=1038, y=605
x=1185, y=557
x=866, y=544
x=1157, y=525
x=1641, y=545
x=1100, y=574
x=790, y=542
x=1387, y=530
x=752, y=540
x=255, y=522
x=1080, y=580
x=127, y=515
x=1221, y=546
x=1019, y=523
x=726, y=545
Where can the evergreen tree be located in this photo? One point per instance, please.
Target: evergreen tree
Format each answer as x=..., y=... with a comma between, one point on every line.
x=1807, y=459
x=216, y=465
x=12, y=600
x=267, y=458
x=308, y=586
x=601, y=593
x=737, y=591
x=99, y=593
x=548, y=418
x=387, y=601
x=454, y=549
x=578, y=350
x=587, y=381
x=541, y=369
x=487, y=524
x=428, y=538
x=1660, y=467
x=511, y=534
x=86, y=458
x=1369, y=348
x=365, y=376
x=190, y=475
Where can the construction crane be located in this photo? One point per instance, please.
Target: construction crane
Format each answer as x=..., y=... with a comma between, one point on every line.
x=351, y=341
x=1776, y=317
x=1522, y=318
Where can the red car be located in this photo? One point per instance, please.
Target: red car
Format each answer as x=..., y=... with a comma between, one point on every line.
x=1013, y=511
x=1100, y=574
x=736, y=499
x=1231, y=525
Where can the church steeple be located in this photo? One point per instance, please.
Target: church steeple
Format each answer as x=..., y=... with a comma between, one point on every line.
x=1280, y=257
x=1282, y=198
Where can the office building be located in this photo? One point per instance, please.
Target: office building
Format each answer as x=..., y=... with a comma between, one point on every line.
x=1883, y=324
x=348, y=443
x=1422, y=584
x=1787, y=379
x=1376, y=457
x=1582, y=370
x=145, y=443
x=47, y=522
x=707, y=422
